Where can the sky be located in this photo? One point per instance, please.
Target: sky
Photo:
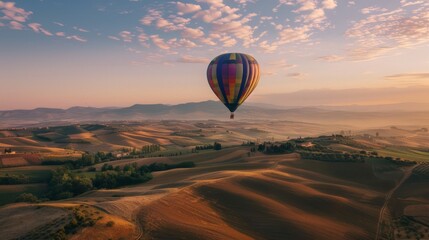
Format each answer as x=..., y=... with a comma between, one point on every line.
x=59, y=53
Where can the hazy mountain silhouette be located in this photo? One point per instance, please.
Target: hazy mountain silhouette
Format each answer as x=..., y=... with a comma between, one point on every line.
x=371, y=115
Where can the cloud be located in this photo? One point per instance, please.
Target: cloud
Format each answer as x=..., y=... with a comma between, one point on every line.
x=80, y=29
x=192, y=32
x=208, y=41
x=217, y=23
x=162, y=23
x=143, y=38
x=306, y=5
x=191, y=59
x=13, y=13
x=289, y=35
x=159, y=42
x=317, y=16
x=37, y=27
x=281, y=3
x=331, y=58
x=187, y=7
x=60, y=34
x=267, y=48
x=416, y=77
x=186, y=43
x=228, y=41
x=295, y=75
x=274, y=67
x=59, y=24
x=282, y=63
x=114, y=38
x=152, y=15
x=369, y=10
x=126, y=36
x=405, y=3
x=208, y=15
x=266, y=72
x=329, y=4
x=13, y=16
x=76, y=38
x=381, y=33
x=16, y=25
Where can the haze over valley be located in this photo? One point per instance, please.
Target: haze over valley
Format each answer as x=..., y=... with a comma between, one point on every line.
x=214, y=119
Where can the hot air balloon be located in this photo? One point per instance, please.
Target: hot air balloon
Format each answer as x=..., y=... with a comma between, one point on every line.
x=233, y=77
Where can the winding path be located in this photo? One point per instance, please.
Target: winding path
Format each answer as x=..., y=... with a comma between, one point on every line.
x=383, y=209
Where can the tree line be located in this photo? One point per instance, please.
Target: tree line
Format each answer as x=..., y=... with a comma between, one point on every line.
x=66, y=184
x=215, y=146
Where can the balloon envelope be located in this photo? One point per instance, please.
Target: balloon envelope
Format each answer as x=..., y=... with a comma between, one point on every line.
x=233, y=77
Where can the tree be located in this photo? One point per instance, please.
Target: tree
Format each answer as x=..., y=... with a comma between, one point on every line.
x=217, y=146
x=81, y=185
x=26, y=197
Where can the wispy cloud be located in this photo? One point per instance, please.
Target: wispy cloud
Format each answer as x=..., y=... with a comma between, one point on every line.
x=413, y=77
x=126, y=36
x=191, y=59
x=80, y=29
x=37, y=27
x=331, y=58
x=296, y=75
x=76, y=38
x=59, y=24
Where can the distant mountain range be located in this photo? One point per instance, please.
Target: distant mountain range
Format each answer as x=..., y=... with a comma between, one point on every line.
x=351, y=115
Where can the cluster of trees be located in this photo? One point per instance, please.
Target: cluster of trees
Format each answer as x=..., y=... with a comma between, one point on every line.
x=27, y=197
x=204, y=147
x=277, y=148
x=8, y=150
x=333, y=157
x=79, y=219
x=85, y=160
x=215, y=146
x=248, y=143
x=65, y=184
x=355, y=157
x=116, y=177
x=154, y=167
x=14, y=179
x=399, y=161
x=150, y=148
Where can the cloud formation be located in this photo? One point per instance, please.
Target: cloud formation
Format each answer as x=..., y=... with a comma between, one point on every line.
x=215, y=23
x=382, y=31
x=17, y=18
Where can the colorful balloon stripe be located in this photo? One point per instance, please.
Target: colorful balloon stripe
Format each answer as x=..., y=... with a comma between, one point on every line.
x=233, y=77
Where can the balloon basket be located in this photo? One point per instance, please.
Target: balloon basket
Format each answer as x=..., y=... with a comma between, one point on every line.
x=231, y=116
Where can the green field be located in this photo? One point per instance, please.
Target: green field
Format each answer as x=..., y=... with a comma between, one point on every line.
x=404, y=153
